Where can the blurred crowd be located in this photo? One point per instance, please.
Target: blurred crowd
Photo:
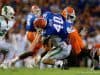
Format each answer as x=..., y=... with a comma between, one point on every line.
x=87, y=12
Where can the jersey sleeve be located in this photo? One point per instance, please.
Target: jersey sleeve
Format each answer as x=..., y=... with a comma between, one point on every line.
x=46, y=15
x=69, y=28
x=29, y=22
x=29, y=19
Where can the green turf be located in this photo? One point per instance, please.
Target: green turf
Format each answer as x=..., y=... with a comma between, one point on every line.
x=35, y=71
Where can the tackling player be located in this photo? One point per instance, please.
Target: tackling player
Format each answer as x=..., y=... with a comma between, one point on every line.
x=53, y=27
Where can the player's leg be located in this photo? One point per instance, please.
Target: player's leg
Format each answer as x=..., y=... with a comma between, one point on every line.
x=61, y=58
x=54, y=57
x=45, y=60
x=22, y=56
x=9, y=55
x=97, y=58
x=2, y=57
x=31, y=38
x=51, y=45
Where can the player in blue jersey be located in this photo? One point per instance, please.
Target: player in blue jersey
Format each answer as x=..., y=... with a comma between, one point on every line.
x=31, y=31
x=53, y=27
x=35, y=12
x=31, y=34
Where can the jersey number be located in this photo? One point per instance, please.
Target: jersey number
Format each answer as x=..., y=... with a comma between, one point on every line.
x=58, y=22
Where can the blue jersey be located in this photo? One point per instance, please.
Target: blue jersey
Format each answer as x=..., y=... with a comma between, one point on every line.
x=56, y=25
x=29, y=22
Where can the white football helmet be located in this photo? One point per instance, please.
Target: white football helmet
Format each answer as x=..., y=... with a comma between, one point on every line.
x=8, y=12
x=36, y=10
x=69, y=14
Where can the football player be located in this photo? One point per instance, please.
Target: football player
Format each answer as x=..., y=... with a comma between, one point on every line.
x=54, y=27
x=31, y=31
x=31, y=35
x=6, y=27
x=75, y=39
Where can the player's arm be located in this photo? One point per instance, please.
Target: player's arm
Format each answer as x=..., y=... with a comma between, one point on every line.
x=35, y=41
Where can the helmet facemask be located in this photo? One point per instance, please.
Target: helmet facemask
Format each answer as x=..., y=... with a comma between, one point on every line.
x=70, y=18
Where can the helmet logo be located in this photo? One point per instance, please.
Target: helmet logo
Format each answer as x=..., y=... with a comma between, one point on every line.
x=5, y=9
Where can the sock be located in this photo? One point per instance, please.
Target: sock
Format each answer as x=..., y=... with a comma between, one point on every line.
x=25, y=55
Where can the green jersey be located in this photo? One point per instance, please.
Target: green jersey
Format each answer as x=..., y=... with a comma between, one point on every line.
x=5, y=26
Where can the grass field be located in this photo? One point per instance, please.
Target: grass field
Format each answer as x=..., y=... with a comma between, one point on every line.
x=35, y=71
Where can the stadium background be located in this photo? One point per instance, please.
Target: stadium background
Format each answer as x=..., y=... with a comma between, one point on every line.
x=87, y=11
